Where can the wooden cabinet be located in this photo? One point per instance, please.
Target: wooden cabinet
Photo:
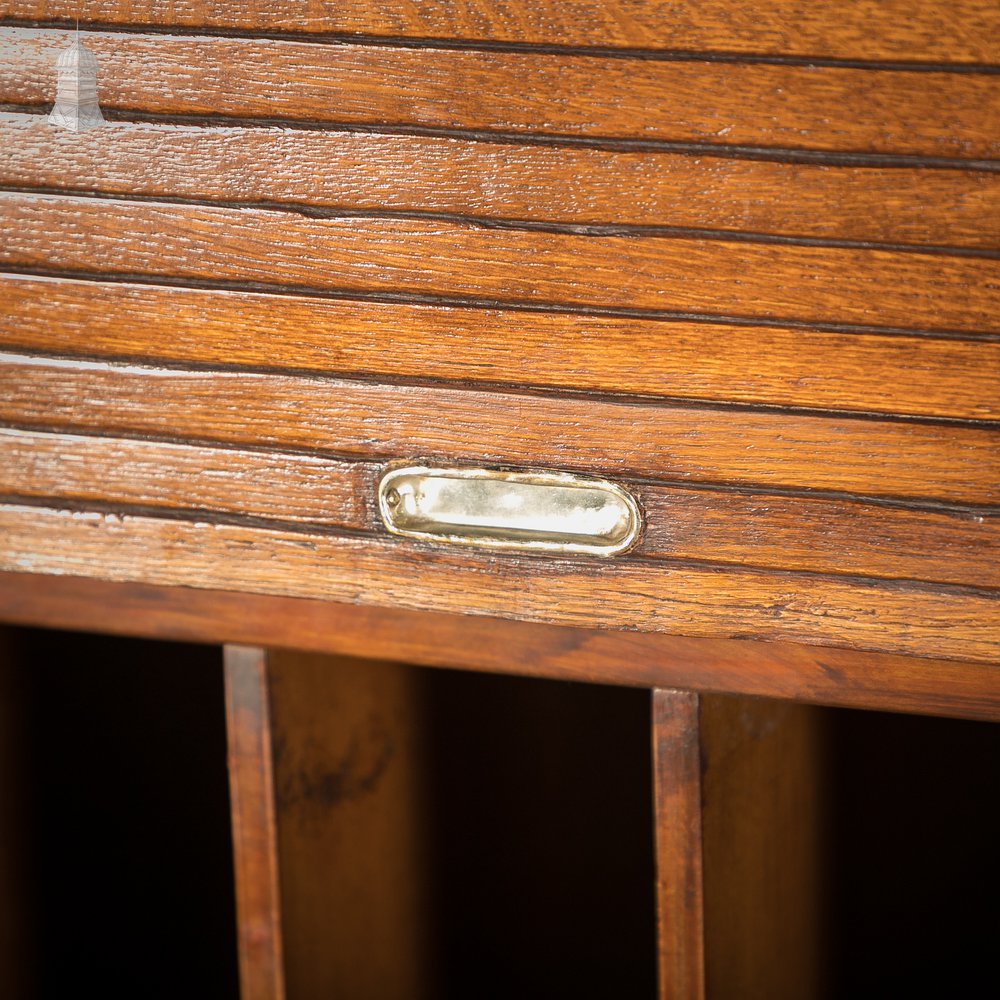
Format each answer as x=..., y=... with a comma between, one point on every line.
x=743, y=265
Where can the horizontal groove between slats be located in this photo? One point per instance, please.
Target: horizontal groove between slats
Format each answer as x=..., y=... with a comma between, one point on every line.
x=675, y=276
x=743, y=105
x=776, y=154
x=430, y=549
x=960, y=510
x=307, y=210
x=664, y=54
x=293, y=291
x=952, y=464
x=623, y=595
x=700, y=525
x=12, y=347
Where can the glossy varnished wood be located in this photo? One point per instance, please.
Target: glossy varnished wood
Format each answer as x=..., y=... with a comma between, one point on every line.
x=734, y=278
x=965, y=31
x=568, y=185
x=691, y=599
x=716, y=103
x=254, y=824
x=944, y=462
x=824, y=675
x=709, y=525
x=679, y=863
x=927, y=376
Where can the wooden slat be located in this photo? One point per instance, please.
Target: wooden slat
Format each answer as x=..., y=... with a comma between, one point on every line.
x=358, y=171
x=962, y=31
x=760, y=530
x=255, y=840
x=870, y=457
x=716, y=103
x=430, y=258
x=820, y=674
x=912, y=619
x=752, y=364
x=680, y=900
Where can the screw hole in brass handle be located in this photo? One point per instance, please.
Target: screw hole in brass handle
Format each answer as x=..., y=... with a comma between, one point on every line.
x=540, y=511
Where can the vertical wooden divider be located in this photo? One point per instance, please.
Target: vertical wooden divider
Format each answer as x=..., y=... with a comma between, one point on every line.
x=677, y=814
x=255, y=839
x=739, y=787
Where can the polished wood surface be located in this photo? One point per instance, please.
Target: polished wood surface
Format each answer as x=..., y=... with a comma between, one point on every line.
x=679, y=863
x=330, y=170
x=726, y=103
x=910, y=30
x=752, y=364
x=823, y=675
x=255, y=852
x=737, y=279
x=752, y=529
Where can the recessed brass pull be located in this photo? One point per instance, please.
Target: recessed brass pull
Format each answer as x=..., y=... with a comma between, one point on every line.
x=546, y=511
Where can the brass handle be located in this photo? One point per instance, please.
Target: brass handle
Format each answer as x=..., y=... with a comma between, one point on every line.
x=543, y=511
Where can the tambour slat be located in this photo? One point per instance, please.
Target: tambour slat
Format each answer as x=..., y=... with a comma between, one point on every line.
x=715, y=103
x=387, y=173
x=947, y=462
x=626, y=594
x=430, y=258
x=751, y=364
x=728, y=527
x=959, y=31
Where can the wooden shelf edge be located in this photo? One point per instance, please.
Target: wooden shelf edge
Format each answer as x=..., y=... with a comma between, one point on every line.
x=813, y=674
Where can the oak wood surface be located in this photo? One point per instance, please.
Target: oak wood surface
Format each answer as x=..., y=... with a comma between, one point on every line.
x=724, y=104
x=254, y=824
x=932, y=376
x=677, y=802
x=945, y=462
x=353, y=828
x=961, y=31
x=766, y=788
x=757, y=529
x=819, y=674
x=348, y=255
x=915, y=619
x=548, y=184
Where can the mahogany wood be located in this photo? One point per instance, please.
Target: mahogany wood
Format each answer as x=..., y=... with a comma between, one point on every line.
x=255, y=849
x=926, y=376
x=709, y=277
x=328, y=170
x=715, y=103
x=918, y=619
x=823, y=675
x=909, y=30
x=722, y=526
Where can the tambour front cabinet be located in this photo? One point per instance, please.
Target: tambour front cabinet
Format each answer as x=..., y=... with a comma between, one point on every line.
x=637, y=363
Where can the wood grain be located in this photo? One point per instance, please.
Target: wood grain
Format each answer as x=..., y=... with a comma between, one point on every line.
x=945, y=462
x=963, y=31
x=819, y=674
x=680, y=901
x=722, y=104
x=353, y=827
x=914, y=619
x=566, y=185
x=751, y=364
x=429, y=258
x=255, y=844
x=758, y=530
x=766, y=797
